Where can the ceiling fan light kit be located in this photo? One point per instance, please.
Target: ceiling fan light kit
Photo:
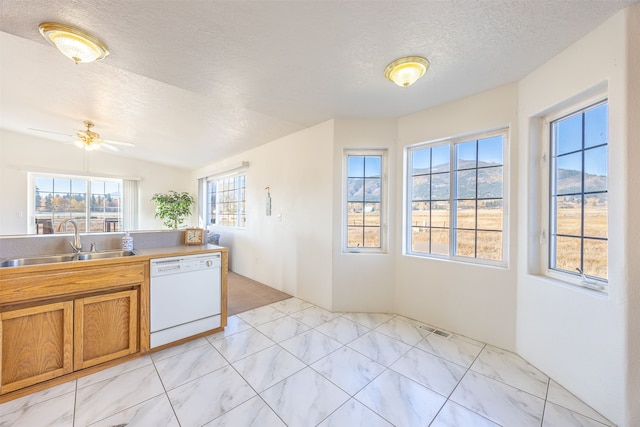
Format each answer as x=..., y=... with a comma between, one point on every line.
x=89, y=140
x=406, y=71
x=75, y=44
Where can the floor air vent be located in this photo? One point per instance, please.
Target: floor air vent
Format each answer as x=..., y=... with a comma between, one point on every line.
x=442, y=333
x=435, y=331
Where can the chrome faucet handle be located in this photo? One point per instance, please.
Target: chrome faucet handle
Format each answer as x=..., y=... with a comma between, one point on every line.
x=93, y=247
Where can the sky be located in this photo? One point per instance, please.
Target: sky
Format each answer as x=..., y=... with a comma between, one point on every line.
x=568, y=134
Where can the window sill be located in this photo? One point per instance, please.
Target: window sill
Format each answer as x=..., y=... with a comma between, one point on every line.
x=363, y=252
x=555, y=279
x=460, y=260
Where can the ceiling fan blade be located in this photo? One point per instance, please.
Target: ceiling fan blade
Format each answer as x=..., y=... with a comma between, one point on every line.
x=109, y=146
x=49, y=131
x=124, y=144
x=90, y=140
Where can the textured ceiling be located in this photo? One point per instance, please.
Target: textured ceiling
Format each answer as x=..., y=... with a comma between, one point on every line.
x=191, y=82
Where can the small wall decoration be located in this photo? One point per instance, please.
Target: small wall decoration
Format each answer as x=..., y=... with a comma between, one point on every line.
x=268, y=202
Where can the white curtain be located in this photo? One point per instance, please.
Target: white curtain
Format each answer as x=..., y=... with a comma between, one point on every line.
x=129, y=204
x=202, y=202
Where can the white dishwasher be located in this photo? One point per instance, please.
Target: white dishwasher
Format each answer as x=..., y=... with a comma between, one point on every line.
x=185, y=296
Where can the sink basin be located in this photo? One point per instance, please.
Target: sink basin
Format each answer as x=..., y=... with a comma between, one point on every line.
x=105, y=254
x=46, y=259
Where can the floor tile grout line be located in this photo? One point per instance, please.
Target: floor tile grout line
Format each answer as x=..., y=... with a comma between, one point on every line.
x=75, y=402
x=386, y=369
x=415, y=346
x=546, y=399
x=271, y=408
x=448, y=399
x=608, y=424
x=39, y=402
x=229, y=365
x=257, y=394
x=308, y=365
x=372, y=409
x=247, y=355
x=506, y=384
x=166, y=392
x=460, y=381
x=128, y=407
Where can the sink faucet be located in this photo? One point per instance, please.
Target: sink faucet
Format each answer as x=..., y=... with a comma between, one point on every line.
x=76, y=244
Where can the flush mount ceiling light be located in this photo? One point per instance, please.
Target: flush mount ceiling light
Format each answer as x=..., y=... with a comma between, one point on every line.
x=75, y=44
x=405, y=71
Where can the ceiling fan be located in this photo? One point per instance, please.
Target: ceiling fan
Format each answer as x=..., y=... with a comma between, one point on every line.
x=90, y=140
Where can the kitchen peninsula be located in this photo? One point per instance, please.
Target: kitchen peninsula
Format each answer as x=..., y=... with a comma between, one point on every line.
x=64, y=320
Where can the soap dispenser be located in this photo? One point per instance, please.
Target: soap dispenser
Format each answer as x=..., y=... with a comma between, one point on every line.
x=127, y=242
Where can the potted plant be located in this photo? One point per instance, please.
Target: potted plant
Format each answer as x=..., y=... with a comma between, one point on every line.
x=173, y=207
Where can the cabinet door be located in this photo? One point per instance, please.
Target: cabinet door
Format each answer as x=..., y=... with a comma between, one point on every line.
x=35, y=344
x=105, y=328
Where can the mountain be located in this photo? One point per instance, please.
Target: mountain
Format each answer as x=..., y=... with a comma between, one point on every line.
x=570, y=181
x=370, y=188
x=490, y=181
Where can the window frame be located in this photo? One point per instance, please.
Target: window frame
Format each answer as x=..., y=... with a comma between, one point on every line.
x=32, y=212
x=451, y=142
x=384, y=206
x=546, y=205
x=241, y=211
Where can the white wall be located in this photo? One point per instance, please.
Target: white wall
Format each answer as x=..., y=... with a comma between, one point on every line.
x=632, y=365
x=20, y=154
x=472, y=300
x=294, y=254
x=364, y=282
x=579, y=337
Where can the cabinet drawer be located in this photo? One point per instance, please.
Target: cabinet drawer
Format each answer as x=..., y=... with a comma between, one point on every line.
x=24, y=286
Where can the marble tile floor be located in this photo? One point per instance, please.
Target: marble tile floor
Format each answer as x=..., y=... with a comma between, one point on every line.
x=294, y=364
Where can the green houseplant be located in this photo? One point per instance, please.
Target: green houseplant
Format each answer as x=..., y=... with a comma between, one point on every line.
x=173, y=207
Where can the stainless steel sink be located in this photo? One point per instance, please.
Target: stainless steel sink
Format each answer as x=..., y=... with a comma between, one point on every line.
x=105, y=254
x=47, y=259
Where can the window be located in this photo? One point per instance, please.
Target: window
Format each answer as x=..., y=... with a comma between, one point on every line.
x=226, y=201
x=578, y=192
x=365, y=201
x=455, y=198
x=95, y=203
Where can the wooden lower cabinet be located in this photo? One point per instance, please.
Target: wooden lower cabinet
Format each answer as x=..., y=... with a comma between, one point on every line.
x=42, y=342
x=105, y=328
x=36, y=344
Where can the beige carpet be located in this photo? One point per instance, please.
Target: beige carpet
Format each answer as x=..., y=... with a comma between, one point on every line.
x=245, y=294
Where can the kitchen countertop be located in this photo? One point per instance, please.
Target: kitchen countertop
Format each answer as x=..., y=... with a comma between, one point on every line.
x=141, y=255
x=179, y=250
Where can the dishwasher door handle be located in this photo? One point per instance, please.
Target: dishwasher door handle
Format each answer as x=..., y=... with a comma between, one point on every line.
x=166, y=269
x=166, y=261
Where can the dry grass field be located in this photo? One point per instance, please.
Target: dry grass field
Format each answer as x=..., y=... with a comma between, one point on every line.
x=363, y=230
x=568, y=248
x=489, y=243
